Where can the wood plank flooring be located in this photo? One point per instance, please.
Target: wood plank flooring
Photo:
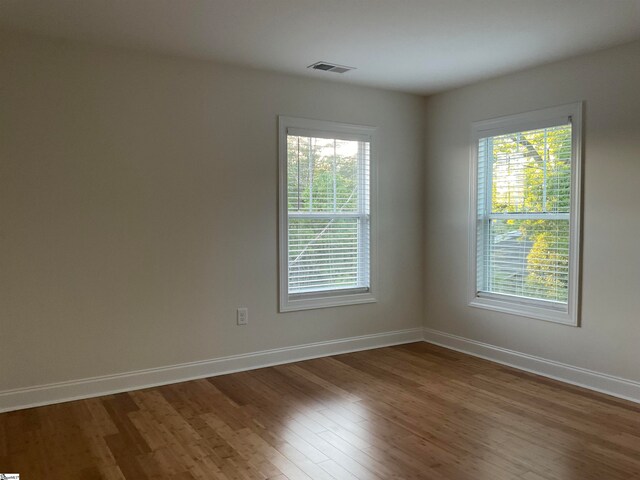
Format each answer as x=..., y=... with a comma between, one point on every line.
x=408, y=412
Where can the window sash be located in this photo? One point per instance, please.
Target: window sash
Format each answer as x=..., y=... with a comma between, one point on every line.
x=493, y=259
x=327, y=215
x=525, y=216
x=357, y=266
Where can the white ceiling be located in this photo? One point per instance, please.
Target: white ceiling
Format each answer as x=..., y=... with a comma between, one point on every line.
x=420, y=46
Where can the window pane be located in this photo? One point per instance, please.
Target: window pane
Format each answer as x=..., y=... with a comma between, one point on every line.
x=527, y=258
x=323, y=254
x=323, y=174
x=531, y=171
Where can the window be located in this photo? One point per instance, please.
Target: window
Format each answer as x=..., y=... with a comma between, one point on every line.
x=325, y=214
x=525, y=214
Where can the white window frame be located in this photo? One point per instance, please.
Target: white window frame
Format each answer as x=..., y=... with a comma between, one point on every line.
x=331, y=298
x=568, y=314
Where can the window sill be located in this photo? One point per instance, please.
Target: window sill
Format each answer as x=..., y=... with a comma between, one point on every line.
x=334, y=299
x=524, y=309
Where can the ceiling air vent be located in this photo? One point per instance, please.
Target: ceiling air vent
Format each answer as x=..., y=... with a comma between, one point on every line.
x=330, y=67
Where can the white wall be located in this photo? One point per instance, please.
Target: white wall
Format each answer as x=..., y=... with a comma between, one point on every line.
x=609, y=83
x=138, y=209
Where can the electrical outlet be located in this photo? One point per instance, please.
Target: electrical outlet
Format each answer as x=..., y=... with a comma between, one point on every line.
x=243, y=316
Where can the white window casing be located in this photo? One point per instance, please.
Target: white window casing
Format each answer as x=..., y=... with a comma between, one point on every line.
x=326, y=214
x=525, y=213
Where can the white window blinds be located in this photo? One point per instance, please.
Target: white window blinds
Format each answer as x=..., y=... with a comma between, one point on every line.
x=524, y=196
x=328, y=213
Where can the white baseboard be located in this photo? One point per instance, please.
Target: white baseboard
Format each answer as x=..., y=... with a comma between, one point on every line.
x=93, y=387
x=600, y=382
x=104, y=385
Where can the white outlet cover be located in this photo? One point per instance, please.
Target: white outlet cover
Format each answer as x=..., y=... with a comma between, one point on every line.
x=243, y=316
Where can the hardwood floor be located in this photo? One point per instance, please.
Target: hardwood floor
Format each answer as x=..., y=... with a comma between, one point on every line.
x=413, y=412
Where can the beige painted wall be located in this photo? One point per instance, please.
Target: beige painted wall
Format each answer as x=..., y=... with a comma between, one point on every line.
x=138, y=210
x=609, y=83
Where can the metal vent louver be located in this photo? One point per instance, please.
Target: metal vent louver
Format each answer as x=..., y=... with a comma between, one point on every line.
x=330, y=67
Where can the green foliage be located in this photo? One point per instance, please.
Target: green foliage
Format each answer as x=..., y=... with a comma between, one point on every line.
x=547, y=268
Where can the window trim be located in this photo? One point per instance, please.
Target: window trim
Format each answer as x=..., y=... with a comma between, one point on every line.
x=331, y=298
x=532, y=308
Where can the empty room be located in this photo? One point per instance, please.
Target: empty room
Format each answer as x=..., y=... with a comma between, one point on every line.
x=320, y=239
